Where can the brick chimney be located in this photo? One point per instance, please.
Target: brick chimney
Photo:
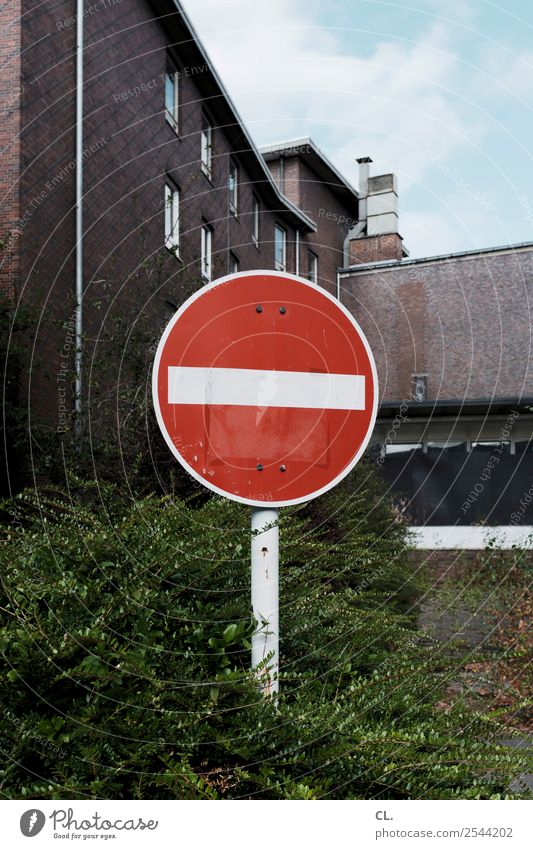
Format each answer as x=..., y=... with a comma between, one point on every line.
x=375, y=237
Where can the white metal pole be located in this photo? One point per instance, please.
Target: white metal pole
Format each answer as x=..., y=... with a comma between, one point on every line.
x=265, y=595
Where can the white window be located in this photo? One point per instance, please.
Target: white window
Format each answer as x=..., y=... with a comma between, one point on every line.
x=280, y=248
x=312, y=267
x=207, y=246
x=233, y=186
x=404, y=448
x=207, y=146
x=172, y=217
x=255, y=221
x=233, y=264
x=172, y=97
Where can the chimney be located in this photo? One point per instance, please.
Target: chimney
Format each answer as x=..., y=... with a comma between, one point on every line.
x=364, y=172
x=359, y=229
x=375, y=238
x=382, y=205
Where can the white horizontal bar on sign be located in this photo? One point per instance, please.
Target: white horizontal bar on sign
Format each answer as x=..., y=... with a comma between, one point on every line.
x=258, y=388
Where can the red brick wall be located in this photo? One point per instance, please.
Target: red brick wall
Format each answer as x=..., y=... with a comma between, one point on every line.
x=291, y=178
x=125, y=178
x=46, y=279
x=10, y=93
x=130, y=148
x=375, y=248
x=332, y=217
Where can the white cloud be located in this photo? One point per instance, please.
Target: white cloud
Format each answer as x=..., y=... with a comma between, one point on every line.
x=290, y=76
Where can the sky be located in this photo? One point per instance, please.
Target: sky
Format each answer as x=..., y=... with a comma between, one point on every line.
x=438, y=91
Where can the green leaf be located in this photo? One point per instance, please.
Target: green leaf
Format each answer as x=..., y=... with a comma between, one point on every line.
x=230, y=633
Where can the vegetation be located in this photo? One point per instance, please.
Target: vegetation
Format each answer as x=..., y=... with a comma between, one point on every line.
x=125, y=621
x=125, y=652
x=490, y=594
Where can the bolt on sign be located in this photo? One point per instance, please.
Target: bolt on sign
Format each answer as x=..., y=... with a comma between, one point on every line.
x=265, y=388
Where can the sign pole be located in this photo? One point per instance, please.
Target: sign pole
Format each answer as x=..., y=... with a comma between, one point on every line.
x=265, y=595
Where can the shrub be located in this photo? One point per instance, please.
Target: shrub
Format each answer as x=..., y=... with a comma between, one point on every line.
x=125, y=653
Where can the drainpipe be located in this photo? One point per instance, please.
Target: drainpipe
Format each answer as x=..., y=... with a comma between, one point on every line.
x=297, y=268
x=79, y=214
x=357, y=231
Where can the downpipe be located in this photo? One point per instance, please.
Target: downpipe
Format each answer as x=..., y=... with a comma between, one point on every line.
x=79, y=219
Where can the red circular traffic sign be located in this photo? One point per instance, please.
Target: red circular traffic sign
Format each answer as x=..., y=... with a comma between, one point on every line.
x=265, y=388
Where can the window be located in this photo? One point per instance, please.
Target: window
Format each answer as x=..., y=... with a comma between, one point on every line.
x=172, y=97
x=312, y=267
x=461, y=447
x=404, y=448
x=233, y=186
x=491, y=447
x=207, y=146
x=207, y=242
x=255, y=221
x=233, y=264
x=280, y=248
x=419, y=392
x=172, y=217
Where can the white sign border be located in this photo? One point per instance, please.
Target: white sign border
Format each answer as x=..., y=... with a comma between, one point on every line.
x=155, y=395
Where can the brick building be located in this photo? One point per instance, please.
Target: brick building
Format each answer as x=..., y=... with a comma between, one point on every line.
x=452, y=340
x=128, y=179
x=128, y=156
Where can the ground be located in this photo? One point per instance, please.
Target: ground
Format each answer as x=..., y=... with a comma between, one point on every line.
x=479, y=612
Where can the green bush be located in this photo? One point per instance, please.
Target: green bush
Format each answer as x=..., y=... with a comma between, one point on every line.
x=125, y=652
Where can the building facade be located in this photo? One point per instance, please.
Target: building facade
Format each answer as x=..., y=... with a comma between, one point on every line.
x=124, y=158
x=128, y=180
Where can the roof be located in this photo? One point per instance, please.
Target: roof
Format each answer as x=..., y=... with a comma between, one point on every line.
x=317, y=161
x=183, y=35
x=463, y=319
x=453, y=406
x=403, y=263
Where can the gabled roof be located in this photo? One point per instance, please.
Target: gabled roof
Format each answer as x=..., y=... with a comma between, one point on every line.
x=192, y=52
x=317, y=161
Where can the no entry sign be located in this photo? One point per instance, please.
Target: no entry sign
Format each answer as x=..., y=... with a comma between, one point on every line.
x=265, y=388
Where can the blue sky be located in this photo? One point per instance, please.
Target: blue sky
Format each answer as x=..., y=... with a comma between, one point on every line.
x=439, y=92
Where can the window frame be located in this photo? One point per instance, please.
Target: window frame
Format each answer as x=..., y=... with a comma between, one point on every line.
x=233, y=196
x=172, y=217
x=280, y=266
x=172, y=117
x=206, y=252
x=234, y=263
x=208, y=132
x=256, y=221
x=312, y=267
